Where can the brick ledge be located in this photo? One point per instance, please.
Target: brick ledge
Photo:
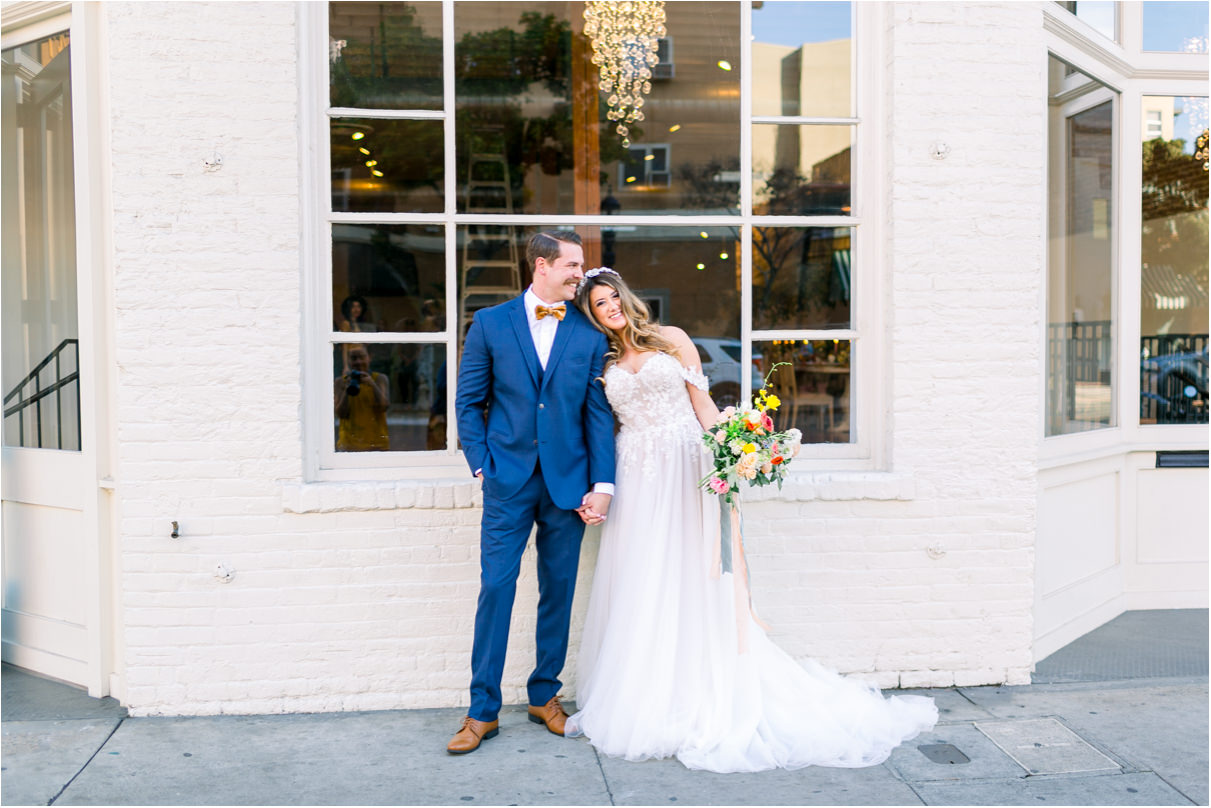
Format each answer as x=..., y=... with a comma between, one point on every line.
x=451, y=493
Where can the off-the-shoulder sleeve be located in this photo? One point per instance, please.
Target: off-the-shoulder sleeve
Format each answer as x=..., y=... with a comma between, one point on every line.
x=694, y=376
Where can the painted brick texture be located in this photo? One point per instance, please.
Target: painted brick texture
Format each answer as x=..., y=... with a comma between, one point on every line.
x=355, y=596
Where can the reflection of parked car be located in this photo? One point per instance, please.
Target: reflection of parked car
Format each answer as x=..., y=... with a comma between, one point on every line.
x=720, y=360
x=1173, y=388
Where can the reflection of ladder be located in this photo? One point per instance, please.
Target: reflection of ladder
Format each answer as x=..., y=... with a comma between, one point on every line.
x=490, y=271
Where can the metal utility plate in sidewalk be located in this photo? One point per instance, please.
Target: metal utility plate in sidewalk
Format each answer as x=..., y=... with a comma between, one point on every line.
x=1045, y=746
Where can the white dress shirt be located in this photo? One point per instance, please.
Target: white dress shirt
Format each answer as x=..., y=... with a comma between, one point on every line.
x=543, y=331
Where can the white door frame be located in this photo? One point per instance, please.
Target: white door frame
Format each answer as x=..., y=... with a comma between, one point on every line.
x=84, y=22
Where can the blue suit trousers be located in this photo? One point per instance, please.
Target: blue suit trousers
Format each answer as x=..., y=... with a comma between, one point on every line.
x=504, y=531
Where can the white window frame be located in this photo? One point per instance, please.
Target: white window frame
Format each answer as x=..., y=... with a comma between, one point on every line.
x=868, y=375
x=1132, y=73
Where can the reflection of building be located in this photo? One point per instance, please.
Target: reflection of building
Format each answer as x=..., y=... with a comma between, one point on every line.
x=1157, y=117
x=933, y=532
x=814, y=80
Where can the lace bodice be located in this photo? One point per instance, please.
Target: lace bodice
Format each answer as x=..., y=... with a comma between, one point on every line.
x=654, y=411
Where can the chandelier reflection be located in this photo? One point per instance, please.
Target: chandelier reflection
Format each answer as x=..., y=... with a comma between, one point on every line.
x=625, y=38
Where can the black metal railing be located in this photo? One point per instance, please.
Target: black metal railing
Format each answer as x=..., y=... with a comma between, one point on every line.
x=41, y=395
x=1173, y=379
x=1078, y=356
x=1173, y=375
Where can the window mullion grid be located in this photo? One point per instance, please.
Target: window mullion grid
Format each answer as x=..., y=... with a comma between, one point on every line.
x=453, y=327
x=389, y=337
x=848, y=334
x=448, y=337
x=746, y=198
x=805, y=120
x=387, y=114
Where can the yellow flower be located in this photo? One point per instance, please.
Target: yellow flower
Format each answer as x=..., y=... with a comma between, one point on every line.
x=749, y=448
x=773, y=402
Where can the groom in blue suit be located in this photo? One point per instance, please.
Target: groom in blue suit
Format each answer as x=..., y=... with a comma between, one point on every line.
x=537, y=430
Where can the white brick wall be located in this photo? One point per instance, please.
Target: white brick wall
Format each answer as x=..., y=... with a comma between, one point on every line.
x=351, y=596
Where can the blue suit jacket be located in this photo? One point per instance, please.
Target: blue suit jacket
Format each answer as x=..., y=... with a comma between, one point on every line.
x=512, y=413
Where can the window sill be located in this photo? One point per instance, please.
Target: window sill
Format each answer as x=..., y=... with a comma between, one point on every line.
x=458, y=493
x=837, y=485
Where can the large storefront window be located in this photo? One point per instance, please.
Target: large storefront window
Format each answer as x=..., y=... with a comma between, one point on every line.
x=1081, y=379
x=716, y=175
x=40, y=329
x=1173, y=261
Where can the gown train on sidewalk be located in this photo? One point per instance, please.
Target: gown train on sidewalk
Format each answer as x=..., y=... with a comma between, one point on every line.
x=661, y=672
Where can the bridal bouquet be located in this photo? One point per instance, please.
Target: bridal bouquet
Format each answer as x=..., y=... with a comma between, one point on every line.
x=745, y=447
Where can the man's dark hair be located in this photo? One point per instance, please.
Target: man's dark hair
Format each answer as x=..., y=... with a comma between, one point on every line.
x=546, y=244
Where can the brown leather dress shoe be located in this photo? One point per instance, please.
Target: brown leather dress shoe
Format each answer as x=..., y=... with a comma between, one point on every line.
x=552, y=714
x=469, y=735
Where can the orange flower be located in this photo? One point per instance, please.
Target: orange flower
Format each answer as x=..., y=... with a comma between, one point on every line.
x=776, y=459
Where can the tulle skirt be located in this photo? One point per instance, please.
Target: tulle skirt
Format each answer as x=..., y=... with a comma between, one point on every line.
x=669, y=667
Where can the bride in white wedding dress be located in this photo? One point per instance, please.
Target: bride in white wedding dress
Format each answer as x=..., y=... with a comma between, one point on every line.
x=668, y=665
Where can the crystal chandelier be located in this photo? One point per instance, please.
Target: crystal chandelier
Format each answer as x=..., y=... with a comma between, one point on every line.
x=624, y=37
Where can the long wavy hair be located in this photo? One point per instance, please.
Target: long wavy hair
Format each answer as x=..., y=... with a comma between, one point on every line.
x=641, y=331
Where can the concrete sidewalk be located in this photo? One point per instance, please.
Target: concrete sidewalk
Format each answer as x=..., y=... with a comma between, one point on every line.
x=1117, y=718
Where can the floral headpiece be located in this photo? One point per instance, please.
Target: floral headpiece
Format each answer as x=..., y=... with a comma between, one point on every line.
x=593, y=273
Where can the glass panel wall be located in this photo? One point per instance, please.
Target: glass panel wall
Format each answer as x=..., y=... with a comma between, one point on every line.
x=1101, y=15
x=814, y=387
x=534, y=130
x=1175, y=27
x=1173, y=261
x=40, y=330
x=385, y=55
x=1080, y=300
x=803, y=59
x=389, y=397
x=579, y=109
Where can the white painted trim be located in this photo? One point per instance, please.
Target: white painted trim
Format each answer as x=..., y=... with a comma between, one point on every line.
x=585, y=220
x=453, y=326
x=311, y=22
x=746, y=198
x=868, y=409
x=387, y=114
x=1048, y=643
x=44, y=663
x=1127, y=201
x=90, y=127
x=805, y=333
x=804, y=120
x=389, y=338
x=29, y=22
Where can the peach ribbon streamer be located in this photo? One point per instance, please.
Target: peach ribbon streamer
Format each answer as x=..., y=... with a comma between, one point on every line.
x=733, y=561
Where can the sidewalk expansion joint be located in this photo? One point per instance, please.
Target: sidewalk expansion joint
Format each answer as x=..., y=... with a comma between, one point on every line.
x=92, y=757
x=605, y=781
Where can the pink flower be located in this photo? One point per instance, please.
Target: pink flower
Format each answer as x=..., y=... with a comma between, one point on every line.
x=767, y=422
x=718, y=486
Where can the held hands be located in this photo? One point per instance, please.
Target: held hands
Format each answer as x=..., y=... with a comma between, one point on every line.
x=593, y=508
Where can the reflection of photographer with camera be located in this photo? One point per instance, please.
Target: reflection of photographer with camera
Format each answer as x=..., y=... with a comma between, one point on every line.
x=361, y=405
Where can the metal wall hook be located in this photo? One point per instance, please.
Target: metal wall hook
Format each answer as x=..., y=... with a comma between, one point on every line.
x=176, y=530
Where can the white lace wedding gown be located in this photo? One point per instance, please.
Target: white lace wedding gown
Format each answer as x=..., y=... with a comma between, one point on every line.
x=660, y=671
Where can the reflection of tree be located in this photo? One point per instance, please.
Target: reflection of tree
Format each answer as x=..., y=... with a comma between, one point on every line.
x=395, y=66
x=1174, y=201
x=777, y=251
x=500, y=72
x=703, y=188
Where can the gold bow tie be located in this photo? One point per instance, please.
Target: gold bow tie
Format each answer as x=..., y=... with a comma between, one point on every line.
x=557, y=312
